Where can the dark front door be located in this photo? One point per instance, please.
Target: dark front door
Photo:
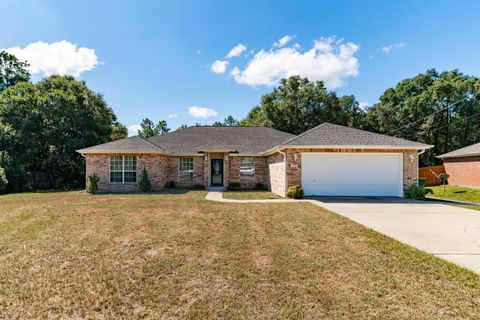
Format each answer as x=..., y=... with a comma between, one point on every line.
x=217, y=172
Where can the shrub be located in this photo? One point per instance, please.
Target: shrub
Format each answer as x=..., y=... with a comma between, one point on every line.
x=295, y=192
x=198, y=186
x=260, y=186
x=3, y=180
x=170, y=184
x=144, y=183
x=417, y=192
x=234, y=186
x=92, y=183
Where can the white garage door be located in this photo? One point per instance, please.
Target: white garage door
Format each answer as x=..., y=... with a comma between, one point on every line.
x=352, y=174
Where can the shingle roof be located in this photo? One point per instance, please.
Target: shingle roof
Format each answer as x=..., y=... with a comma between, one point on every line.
x=246, y=140
x=128, y=145
x=249, y=140
x=473, y=150
x=192, y=140
x=328, y=134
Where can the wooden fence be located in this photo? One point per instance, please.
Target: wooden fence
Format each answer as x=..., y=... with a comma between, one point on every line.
x=431, y=175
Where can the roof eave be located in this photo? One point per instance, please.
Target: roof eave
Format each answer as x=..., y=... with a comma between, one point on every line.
x=447, y=156
x=282, y=147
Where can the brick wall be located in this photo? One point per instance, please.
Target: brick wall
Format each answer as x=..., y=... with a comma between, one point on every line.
x=100, y=164
x=261, y=172
x=463, y=171
x=171, y=173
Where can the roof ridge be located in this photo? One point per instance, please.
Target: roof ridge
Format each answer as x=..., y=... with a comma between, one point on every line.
x=304, y=133
x=150, y=143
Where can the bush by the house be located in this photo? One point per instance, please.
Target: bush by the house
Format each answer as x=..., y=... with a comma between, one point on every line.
x=260, y=186
x=233, y=186
x=295, y=192
x=3, y=180
x=92, y=183
x=145, y=184
x=198, y=186
x=417, y=192
x=170, y=184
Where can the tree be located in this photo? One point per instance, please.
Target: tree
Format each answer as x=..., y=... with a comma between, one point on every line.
x=298, y=104
x=12, y=70
x=149, y=129
x=144, y=183
x=442, y=109
x=42, y=124
x=119, y=131
x=183, y=126
x=230, y=121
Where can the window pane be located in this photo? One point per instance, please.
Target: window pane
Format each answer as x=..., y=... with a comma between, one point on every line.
x=116, y=163
x=185, y=169
x=130, y=177
x=130, y=163
x=115, y=177
x=247, y=167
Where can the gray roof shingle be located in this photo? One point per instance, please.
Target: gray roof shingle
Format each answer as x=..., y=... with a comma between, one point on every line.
x=328, y=134
x=249, y=140
x=128, y=145
x=243, y=140
x=473, y=150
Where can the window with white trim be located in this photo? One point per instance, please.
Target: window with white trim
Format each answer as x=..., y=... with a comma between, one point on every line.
x=185, y=169
x=123, y=169
x=247, y=168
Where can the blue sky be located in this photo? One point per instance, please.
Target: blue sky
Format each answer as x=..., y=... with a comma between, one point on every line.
x=154, y=59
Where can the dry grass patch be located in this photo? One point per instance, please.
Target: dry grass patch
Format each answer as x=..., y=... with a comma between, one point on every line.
x=164, y=256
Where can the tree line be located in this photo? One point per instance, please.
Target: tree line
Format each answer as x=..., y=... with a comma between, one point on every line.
x=43, y=123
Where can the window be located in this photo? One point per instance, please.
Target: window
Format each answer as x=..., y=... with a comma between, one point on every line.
x=247, y=168
x=185, y=169
x=123, y=169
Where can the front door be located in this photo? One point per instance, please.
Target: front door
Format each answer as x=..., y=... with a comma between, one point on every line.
x=217, y=172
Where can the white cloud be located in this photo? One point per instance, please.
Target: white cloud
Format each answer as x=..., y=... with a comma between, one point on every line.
x=133, y=130
x=63, y=58
x=172, y=115
x=219, y=66
x=363, y=105
x=200, y=112
x=236, y=51
x=329, y=60
x=393, y=46
x=283, y=41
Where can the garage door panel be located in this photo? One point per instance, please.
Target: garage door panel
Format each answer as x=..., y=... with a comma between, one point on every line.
x=352, y=174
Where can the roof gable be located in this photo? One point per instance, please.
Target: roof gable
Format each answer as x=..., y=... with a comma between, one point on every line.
x=334, y=135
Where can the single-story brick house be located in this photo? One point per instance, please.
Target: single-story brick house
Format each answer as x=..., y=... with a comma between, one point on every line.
x=329, y=160
x=463, y=166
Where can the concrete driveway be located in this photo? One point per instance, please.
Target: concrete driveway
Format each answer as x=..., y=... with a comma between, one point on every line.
x=448, y=232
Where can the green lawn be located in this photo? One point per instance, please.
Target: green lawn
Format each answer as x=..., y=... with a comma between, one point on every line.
x=175, y=255
x=456, y=193
x=250, y=195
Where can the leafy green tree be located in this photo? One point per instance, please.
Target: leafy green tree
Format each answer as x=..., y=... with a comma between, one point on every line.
x=42, y=124
x=12, y=70
x=298, y=104
x=119, y=131
x=183, y=126
x=442, y=109
x=3, y=180
x=150, y=129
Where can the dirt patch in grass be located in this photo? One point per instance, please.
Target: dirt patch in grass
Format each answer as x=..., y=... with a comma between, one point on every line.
x=165, y=256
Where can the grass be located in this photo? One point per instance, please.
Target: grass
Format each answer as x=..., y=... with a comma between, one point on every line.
x=250, y=195
x=176, y=255
x=457, y=193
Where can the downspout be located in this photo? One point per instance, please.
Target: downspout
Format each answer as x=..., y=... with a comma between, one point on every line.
x=285, y=171
x=418, y=162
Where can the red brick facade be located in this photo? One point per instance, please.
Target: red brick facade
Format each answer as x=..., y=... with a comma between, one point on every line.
x=272, y=171
x=464, y=171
